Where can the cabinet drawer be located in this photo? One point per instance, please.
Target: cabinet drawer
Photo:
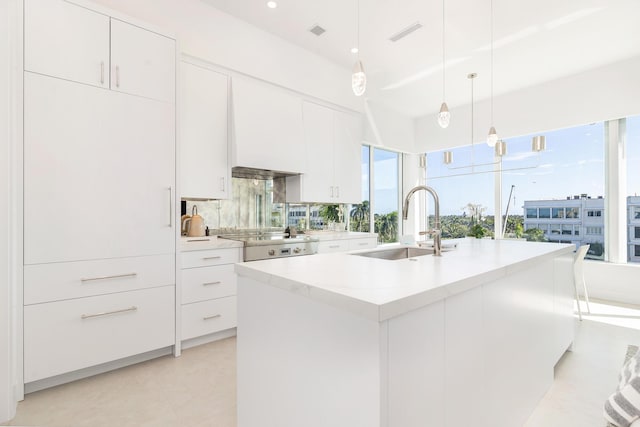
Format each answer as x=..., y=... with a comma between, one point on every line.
x=206, y=317
x=333, y=246
x=61, y=281
x=65, y=336
x=211, y=257
x=369, y=242
x=199, y=284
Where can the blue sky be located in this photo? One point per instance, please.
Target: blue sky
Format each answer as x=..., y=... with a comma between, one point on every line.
x=573, y=163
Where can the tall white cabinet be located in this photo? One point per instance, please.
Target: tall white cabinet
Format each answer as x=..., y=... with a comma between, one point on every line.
x=204, y=153
x=99, y=189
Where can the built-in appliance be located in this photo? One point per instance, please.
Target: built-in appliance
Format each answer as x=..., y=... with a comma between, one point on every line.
x=260, y=245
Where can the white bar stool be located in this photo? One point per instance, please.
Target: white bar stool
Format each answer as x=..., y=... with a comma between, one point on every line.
x=578, y=276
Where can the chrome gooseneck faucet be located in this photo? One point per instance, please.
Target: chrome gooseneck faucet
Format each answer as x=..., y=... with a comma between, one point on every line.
x=436, y=232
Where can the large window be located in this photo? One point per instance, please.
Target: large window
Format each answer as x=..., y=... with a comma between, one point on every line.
x=633, y=185
x=465, y=189
x=386, y=194
x=383, y=168
x=562, y=185
x=360, y=214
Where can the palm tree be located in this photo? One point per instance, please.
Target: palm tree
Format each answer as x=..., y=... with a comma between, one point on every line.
x=360, y=216
x=387, y=227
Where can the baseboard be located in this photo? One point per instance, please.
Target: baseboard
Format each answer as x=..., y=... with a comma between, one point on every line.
x=205, y=339
x=95, y=370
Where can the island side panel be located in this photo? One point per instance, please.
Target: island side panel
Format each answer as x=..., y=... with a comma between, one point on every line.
x=304, y=363
x=416, y=375
x=563, y=304
x=519, y=342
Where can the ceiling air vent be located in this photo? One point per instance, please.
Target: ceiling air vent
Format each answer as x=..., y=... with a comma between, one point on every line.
x=405, y=32
x=317, y=30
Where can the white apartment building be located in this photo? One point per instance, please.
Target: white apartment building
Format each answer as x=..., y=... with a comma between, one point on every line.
x=580, y=220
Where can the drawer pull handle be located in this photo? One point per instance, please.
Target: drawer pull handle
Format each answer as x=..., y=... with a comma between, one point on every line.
x=116, y=276
x=212, y=317
x=198, y=240
x=211, y=257
x=363, y=244
x=107, y=313
x=212, y=283
x=334, y=246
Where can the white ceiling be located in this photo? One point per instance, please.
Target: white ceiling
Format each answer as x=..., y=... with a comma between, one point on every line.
x=534, y=41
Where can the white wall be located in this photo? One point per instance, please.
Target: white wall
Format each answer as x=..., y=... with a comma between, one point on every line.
x=389, y=129
x=6, y=398
x=212, y=35
x=612, y=282
x=605, y=93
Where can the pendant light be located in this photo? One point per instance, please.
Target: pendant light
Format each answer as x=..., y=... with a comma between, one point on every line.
x=492, y=138
x=358, y=77
x=444, y=116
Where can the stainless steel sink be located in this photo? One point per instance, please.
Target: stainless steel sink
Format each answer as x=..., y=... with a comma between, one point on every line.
x=396, y=253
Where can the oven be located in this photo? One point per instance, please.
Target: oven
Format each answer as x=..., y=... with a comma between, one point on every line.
x=259, y=245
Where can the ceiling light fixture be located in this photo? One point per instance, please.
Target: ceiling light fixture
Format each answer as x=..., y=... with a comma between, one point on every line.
x=272, y=4
x=492, y=138
x=444, y=116
x=358, y=77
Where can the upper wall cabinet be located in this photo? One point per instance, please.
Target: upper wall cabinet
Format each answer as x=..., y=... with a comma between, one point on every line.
x=74, y=43
x=267, y=125
x=66, y=41
x=204, y=165
x=332, y=151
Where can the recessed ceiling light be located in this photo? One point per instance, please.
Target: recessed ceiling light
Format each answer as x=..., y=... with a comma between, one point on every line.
x=272, y=4
x=354, y=50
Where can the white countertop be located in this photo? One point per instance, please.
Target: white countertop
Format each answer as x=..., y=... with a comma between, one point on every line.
x=206, y=242
x=380, y=289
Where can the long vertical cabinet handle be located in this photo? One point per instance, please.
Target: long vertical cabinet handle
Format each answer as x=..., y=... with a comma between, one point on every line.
x=337, y=191
x=117, y=76
x=331, y=191
x=222, y=186
x=170, y=206
x=102, y=72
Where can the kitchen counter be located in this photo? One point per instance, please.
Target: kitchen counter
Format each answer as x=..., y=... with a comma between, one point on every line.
x=381, y=289
x=345, y=340
x=323, y=235
x=206, y=242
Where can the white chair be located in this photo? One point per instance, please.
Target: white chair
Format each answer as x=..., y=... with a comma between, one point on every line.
x=578, y=277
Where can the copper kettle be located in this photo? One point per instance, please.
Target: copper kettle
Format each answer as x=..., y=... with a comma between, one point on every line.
x=193, y=225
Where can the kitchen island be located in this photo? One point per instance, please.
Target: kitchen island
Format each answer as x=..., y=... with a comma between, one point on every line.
x=469, y=338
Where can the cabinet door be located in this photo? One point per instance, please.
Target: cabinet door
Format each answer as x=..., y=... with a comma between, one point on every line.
x=267, y=127
x=347, y=164
x=204, y=167
x=66, y=41
x=142, y=62
x=98, y=172
x=316, y=184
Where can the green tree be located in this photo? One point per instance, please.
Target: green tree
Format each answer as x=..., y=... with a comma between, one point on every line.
x=386, y=225
x=360, y=217
x=330, y=213
x=535, y=235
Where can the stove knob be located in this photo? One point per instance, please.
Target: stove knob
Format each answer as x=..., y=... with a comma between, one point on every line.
x=272, y=252
x=296, y=250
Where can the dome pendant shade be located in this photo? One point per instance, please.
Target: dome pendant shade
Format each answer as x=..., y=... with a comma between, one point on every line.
x=358, y=79
x=492, y=138
x=444, y=116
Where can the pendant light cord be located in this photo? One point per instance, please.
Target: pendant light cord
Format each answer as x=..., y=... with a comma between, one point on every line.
x=491, y=62
x=443, y=55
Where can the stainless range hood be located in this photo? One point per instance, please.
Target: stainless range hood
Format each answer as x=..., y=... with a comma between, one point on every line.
x=262, y=174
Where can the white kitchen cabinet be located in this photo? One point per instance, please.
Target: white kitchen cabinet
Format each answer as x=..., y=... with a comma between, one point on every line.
x=267, y=127
x=347, y=244
x=67, y=41
x=330, y=246
x=208, y=290
x=363, y=243
x=75, y=43
x=68, y=335
x=98, y=175
x=204, y=163
x=332, y=147
x=142, y=62
x=66, y=280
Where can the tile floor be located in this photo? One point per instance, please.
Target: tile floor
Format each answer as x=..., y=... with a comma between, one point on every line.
x=198, y=388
